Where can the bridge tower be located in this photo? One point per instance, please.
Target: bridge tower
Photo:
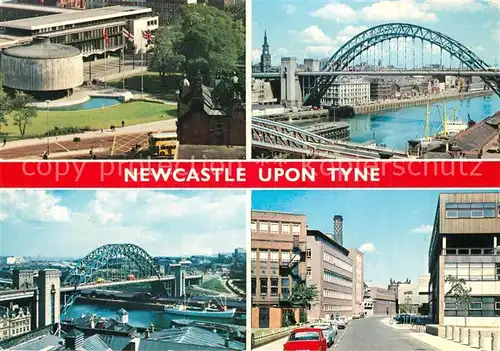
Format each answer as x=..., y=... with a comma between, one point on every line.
x=49, y=290
x=23, y=279
x=180, y=280
x=290, y=87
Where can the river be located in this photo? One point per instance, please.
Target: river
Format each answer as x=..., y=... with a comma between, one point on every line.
x=394, y=128
x=138, y=318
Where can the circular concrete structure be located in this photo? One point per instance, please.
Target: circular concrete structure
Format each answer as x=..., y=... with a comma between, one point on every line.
x=43, y=67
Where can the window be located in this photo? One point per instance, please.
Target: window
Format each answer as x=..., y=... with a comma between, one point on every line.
x=296, y=229
x=263, y=286
x=285, y=256
x=309, y=271
x=285, y=228
x=285, y=286
x=308, y=253
x=274, y=227
x=274, y=286
x=476, y=306
x=263, y=256
x=471, y=210
x=264, y=227
x=218, y=129
x=254, y=286
x=254, y=226
x=274, y=256
x=497, y=306
x=451, y=214
x=254, y=255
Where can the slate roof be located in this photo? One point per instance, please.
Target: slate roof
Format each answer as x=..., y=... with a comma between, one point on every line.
x=477, y=136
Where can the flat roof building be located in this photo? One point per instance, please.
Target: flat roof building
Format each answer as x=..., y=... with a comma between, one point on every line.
x=358, y=278
x=278, y=264
x=464, y=244
x=329, y=268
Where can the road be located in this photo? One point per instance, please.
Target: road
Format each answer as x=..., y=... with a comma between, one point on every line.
x=366, y=334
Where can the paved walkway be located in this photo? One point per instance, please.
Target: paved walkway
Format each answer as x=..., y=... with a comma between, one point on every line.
x=273, y=346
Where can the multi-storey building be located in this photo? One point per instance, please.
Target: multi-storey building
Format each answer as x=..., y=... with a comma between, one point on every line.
x=358, y=289
x=380, y=89
x=464, y=244
x=423, y=294
x=14, y=321
x=329, y=268
x=278, y=264
x=378, y=301
x=347, y=91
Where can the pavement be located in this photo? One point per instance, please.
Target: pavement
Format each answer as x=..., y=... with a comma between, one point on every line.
x=112, y=143
x=377, y=334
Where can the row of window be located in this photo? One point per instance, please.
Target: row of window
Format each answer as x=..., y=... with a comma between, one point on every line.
x=271, y=255
x=327, y=257
x=334, y=294
x=274, y=227
x=472, y=210
x=335, y=278
x=484, y=306
x=327, y=307
x=473, y=271
x=274, y=286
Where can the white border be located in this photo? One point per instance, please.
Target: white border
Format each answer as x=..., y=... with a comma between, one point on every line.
x=248, y=79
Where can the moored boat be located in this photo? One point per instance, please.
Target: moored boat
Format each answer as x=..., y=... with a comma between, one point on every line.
x=205, y=313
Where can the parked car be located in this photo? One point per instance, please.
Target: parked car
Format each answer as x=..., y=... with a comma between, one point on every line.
x=329, y=332
x=341, y=322
x=306, y=339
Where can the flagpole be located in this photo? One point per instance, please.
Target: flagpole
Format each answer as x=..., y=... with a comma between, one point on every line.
x=105, y=68
x=142, y=68
x=123, y=68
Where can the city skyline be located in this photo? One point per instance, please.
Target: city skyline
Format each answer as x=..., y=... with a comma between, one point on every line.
x=393, y=233
x=318, y=29
x=73, y=223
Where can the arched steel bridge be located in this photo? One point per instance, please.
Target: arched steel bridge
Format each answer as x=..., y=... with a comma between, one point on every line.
x=286, y=139
x=386, y=32
x=108, y=257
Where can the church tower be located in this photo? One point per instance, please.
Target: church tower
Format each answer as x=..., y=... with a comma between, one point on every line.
x=265, y=58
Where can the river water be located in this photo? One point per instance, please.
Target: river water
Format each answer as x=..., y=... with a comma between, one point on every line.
x=137, y=318
x=394, y=128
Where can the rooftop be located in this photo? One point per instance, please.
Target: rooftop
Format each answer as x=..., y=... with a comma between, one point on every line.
x=37, y=8
x=76, y=17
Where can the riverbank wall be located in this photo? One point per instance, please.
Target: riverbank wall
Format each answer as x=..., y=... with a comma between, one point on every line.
x=398, y=104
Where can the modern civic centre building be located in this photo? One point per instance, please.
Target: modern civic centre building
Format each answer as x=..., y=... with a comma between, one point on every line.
x=465, y=244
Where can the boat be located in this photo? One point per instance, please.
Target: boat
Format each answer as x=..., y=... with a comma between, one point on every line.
x=454, y=125
x=206, y=313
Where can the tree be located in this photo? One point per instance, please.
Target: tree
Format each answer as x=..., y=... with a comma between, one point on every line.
x=21, y=112
x=238, y=11
x=304, y=295
x=4, y=105
x=166, y=58
x=461, y=293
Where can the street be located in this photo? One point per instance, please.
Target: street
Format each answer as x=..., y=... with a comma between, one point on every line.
x=366, y=334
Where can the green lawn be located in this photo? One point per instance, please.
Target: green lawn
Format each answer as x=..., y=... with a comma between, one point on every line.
x=214, y=285
x=136, y=112
x=152, y=85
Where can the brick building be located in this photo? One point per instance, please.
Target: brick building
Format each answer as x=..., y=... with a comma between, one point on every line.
x=201, y=123
x=278, y=264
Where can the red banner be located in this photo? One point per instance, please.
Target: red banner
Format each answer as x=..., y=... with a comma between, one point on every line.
x=250, y=174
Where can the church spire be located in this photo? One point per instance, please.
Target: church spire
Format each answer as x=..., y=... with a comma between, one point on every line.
x=265, y=37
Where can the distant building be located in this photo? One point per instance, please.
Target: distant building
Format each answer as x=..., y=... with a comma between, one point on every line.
x=262, y=92
x=265, y=57
x=379, y=301
x=278, y=264
x=358, y=276
x=202, y=123
x=311, y=65
x=465, y=244
x=11, y=260
x=14, y=321
x=329, y=268
x=380, y=89
x=80, y=4
x=347, y=91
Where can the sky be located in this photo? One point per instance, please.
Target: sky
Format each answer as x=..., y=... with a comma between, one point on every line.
x=164, y=223
x=392, y=227
x=316, y=29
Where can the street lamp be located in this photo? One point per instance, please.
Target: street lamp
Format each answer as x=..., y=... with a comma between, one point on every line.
x=178, y=96
x=47, y=125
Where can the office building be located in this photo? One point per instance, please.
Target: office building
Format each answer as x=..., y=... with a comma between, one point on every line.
x=278, y=264
x=378, y=301
x=423, y=294
x=329, y=268
x=347, y=91
x=464, y=244
x=358, y=279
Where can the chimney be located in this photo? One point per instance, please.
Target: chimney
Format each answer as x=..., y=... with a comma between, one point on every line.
x=147, y=334
x=152, y=327
x=133, y=345
x=338, y=229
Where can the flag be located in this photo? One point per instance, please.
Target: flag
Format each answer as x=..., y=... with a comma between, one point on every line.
x=127, y=35
x=106, y=38
x=148, y=36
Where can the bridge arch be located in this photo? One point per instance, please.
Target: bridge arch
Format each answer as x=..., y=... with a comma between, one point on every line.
x=360, y=43
x=88, y=268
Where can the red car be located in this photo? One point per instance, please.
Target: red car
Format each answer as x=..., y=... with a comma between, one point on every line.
x=306, y=339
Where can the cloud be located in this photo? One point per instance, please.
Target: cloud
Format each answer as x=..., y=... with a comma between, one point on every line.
x=289, y=9
x=494, y=2
x=320, y=50
x=348, y=33
x=479, y=48
x=367, y=248
x=452, y=5
x=256, y=54
x=336, y=12
x=314, y=35
x=423, y=229
x=400, y=10
x=32, y=205
x=3, y=216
